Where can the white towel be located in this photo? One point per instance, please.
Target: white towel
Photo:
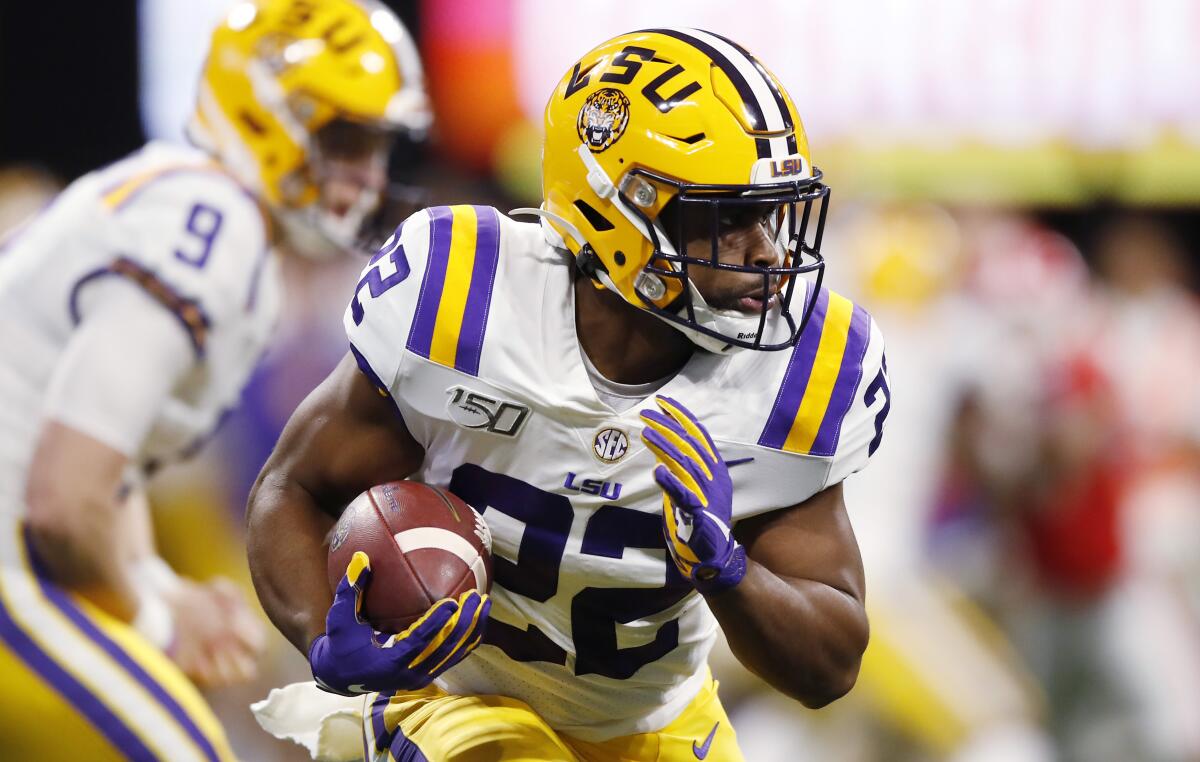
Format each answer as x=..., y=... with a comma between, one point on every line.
x=329, y=726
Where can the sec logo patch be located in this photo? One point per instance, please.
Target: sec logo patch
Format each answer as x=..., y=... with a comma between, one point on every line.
x=610, y=445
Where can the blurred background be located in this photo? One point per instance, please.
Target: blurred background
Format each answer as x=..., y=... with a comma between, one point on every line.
x=1016, y=199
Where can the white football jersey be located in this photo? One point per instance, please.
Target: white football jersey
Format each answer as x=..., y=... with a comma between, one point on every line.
x=467, y=319
x=172, y=221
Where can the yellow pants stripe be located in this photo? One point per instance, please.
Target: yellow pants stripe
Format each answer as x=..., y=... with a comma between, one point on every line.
x=139, y=705
x=431, y=725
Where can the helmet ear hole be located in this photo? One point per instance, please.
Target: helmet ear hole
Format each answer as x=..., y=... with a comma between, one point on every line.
x=252, y=123
x=619, y=258
x=598, y=221
x=669, y=219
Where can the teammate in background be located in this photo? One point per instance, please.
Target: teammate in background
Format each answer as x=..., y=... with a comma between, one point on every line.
x=132, y=312
x=662, y=295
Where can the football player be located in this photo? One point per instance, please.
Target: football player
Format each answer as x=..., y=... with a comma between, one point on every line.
x=133, y=311
x=650, y=397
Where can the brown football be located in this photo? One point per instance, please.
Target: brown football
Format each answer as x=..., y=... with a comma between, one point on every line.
x=424, y=543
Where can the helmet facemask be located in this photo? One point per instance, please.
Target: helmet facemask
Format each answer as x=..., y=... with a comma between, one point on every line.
x=304, y=108
x=349, y=168
x=707, y=213
x=661, y=141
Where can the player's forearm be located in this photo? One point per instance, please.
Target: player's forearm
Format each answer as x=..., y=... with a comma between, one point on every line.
x=76, y=513
x=804, y=638
x=285, y=539
x=75, y=534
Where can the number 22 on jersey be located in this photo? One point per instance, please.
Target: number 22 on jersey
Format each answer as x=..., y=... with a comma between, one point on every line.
x=596, y=612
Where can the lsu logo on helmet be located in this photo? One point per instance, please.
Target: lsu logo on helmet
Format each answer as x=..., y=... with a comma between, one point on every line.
x=714, y=130
x=603, y=118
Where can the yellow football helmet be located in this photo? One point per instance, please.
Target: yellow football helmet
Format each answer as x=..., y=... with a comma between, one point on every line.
x=662, y=137
x=292, y=86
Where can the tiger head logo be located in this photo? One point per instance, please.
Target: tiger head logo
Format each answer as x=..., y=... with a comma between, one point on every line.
x=603, y=118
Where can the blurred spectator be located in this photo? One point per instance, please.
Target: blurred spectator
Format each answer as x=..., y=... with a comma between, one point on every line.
x=1071, y=412
x=1149, y=343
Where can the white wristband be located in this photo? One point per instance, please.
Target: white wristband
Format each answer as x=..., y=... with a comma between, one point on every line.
x=157, y=574
x=154, y=620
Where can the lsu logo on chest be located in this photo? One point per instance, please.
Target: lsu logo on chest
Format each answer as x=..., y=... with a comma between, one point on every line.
x=599, y=487
x=609, y=445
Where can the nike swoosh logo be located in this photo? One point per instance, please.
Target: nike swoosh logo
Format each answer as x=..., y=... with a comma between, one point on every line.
x=701, y=751
x=737, y=462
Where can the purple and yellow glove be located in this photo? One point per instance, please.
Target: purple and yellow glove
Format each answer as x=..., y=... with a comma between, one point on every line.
x=697, y=498
x=353, y=658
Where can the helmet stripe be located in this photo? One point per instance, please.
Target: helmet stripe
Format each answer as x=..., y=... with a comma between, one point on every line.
x=775, y=112
x=776, y=93
x=758, y=119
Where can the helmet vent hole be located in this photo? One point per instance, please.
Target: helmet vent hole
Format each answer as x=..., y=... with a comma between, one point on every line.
x=252, y=124
x=619, y=258
x=594, y=218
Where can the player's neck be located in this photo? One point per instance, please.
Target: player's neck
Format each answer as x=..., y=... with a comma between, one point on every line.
x=627, y=345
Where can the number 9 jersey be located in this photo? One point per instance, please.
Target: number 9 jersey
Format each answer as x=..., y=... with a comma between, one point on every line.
x=168, y=221
x=466, y=320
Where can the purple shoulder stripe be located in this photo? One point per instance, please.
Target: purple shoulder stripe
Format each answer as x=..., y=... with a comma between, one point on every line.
x=479, y=295
x=436, y=321
x=795, y=378
x=420, y=335
x=847, y=382
x=187, y=311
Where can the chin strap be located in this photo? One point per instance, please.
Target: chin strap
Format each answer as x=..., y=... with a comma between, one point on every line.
x=586, y=260
x=553, y=237
x=589, y=264
x=603, y=185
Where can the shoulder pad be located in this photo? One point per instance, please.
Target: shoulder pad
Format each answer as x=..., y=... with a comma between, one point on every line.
x=442, y=315
x=190, y=236
x=451, y=315
x=823, y=374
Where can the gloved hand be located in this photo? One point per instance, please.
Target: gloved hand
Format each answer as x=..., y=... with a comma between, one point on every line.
x=351, y=657
x=697, y=497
